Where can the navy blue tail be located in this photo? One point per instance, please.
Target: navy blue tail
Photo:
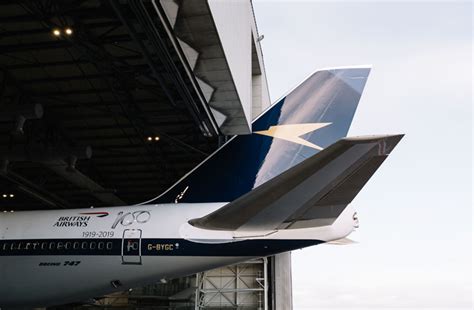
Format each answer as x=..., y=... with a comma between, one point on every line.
x=314, y=115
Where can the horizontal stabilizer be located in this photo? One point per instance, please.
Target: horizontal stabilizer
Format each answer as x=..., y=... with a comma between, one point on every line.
x=343, y=241
x=311, y=194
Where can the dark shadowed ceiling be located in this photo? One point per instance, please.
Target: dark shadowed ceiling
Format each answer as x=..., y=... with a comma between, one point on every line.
x=93, y=110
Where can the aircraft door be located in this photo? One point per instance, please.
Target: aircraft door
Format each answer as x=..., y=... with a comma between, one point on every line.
x=132, y=247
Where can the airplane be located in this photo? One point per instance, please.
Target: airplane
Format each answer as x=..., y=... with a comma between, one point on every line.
x=286, y=186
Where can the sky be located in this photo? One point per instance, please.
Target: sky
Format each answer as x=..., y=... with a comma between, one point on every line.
x=414, y=245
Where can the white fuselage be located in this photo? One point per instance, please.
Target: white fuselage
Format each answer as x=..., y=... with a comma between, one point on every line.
x=61, y=256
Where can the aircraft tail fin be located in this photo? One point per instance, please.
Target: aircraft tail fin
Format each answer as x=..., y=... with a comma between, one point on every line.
x=311, y=117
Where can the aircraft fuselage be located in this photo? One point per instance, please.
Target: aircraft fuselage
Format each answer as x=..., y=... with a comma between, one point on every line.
x=74, y=255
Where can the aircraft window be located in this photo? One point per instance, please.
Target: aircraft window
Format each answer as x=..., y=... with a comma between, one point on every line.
x=57, y=245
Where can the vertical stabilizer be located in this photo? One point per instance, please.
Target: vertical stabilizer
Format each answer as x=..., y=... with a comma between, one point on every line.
x=311, y=117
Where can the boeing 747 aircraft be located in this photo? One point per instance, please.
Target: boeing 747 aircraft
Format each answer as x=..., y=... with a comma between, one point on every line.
x=285, y=186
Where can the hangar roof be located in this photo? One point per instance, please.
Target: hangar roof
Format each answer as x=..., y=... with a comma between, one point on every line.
x=96, y=105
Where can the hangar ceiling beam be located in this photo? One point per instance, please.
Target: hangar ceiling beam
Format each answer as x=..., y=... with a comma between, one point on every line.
x=43, y=154
x=26, y=47
x=35, y=191
x=42, y=30
x=30, y=64
x=194, y=102
x=99, y=12
x=74, y=176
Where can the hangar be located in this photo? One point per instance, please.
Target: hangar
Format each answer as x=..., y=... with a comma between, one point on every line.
x=108, y=103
